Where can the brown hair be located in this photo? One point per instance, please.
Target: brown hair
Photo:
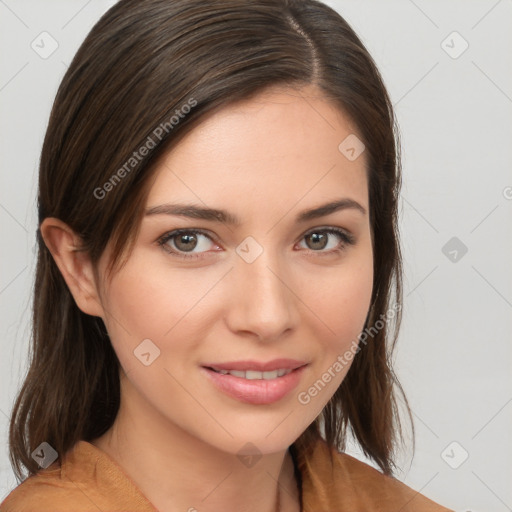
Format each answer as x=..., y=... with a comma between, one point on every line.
x=140, y=64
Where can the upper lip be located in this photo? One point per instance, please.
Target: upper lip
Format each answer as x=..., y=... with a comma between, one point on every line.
x=276, y=364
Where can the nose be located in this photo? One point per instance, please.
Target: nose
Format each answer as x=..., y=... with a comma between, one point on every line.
x=263, y=302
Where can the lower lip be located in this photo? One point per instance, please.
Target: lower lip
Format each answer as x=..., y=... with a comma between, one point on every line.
x=257, y=391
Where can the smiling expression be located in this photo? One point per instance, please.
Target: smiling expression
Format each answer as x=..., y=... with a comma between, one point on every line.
x=255, y=255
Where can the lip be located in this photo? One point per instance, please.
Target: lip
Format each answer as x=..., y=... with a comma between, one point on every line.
x=275, y=364
x=257, y=391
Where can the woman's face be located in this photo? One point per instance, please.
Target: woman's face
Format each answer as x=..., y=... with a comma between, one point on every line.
x=285, y=281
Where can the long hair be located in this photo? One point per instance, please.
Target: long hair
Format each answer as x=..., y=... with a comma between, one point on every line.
x=150, y=70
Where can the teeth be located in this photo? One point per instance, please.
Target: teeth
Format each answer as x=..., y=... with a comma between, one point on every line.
x=253, y=374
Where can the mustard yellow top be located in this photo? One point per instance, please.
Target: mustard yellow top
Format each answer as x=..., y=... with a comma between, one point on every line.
x=88, y=480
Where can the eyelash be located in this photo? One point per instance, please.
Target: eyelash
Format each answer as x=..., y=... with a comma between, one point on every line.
x=346, y=239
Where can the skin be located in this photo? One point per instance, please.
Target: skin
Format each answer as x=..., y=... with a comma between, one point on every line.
x=264, y=160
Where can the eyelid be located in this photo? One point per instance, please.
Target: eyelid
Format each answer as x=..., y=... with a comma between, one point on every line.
x=346, y=235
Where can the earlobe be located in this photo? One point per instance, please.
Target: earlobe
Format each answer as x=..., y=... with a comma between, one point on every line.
x=74, y=264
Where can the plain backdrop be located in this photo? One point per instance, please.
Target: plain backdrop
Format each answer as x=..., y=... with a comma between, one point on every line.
x=448, y=69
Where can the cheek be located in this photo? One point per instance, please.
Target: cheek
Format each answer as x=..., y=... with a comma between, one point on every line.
x=150, y=302
x=352, y=301
x=176, y=308
x=342, y=299
x=341, y=305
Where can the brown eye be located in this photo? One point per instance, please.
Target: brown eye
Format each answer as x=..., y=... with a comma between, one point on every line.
x=185, y=242
x=316, y=241
x=327, y=240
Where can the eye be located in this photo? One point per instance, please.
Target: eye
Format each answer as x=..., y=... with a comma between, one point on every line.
x=327, y=240
x=187, y=243
x=194, y=243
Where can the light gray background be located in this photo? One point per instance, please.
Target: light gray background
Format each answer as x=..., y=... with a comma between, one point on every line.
x=454, y=353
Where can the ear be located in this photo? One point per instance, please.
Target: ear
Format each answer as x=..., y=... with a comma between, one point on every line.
x=74, y=265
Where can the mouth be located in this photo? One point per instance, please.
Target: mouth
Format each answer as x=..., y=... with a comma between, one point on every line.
x=256, y=386
x=253, y=374
x=254, y=367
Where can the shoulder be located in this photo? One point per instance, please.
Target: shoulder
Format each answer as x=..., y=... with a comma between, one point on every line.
x=86, y=480
x=349, y=485
x=44, y=491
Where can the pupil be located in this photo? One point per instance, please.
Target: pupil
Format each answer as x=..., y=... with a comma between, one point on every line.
x=319, y=240
x=186, y=242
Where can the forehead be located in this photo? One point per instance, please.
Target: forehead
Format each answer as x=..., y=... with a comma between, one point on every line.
x=272, y=151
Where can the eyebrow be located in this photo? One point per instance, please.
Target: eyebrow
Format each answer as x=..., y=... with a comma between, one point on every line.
x=213, y=214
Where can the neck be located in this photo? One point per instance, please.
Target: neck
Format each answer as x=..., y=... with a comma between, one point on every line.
x=177, y=471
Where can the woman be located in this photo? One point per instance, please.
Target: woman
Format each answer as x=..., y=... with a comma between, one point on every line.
x=218, y=269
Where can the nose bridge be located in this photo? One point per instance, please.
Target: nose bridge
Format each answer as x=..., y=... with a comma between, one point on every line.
x=262, y=304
